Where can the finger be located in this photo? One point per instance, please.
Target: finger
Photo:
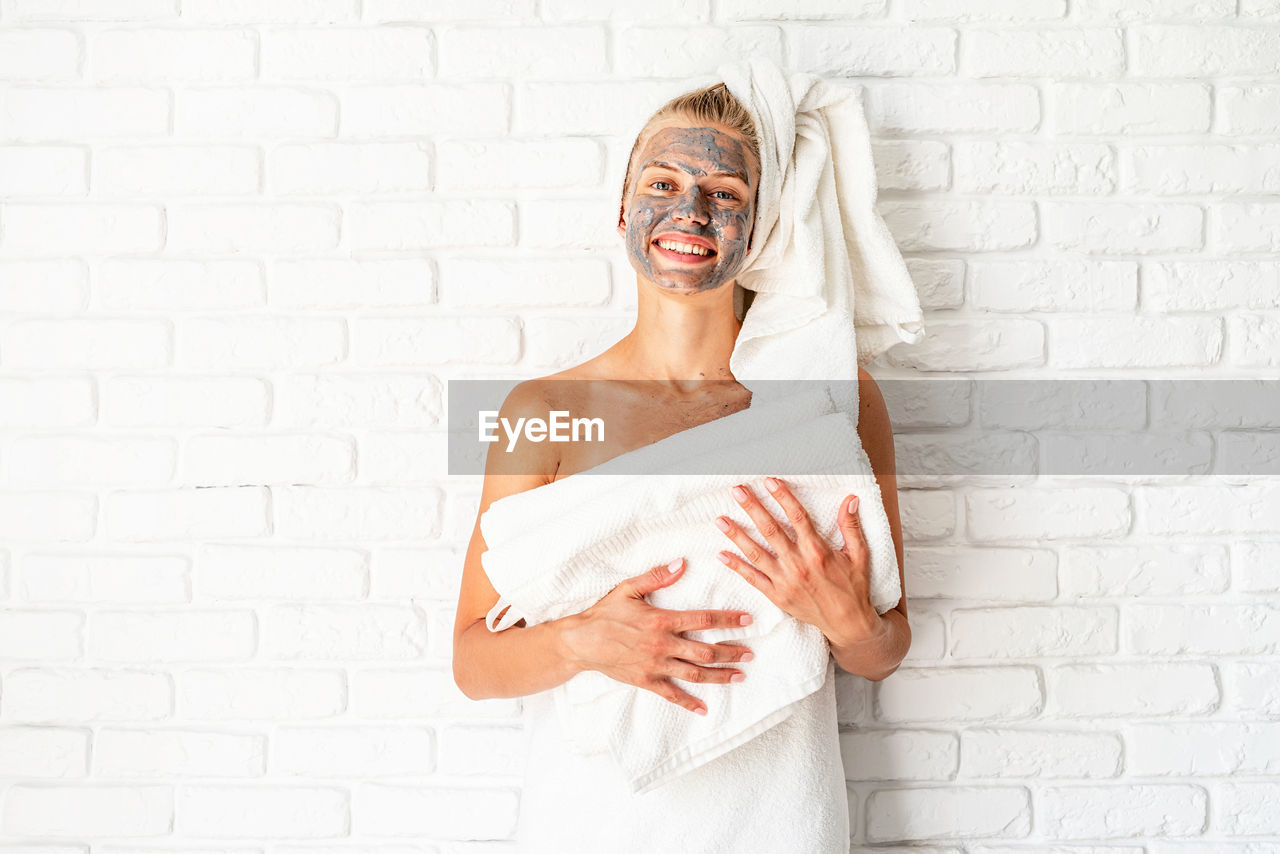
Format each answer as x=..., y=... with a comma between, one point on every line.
x=743, y=653
x=659, y=576
x=851, y=523
x=687, y=671
x=755, y=553
x=711, y=653
x=667, y=690
x=692, y=621
x=754, y=577
x=796, y=514
x=764, y=521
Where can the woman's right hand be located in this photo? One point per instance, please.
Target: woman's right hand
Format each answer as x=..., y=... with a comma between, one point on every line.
x=627, y=639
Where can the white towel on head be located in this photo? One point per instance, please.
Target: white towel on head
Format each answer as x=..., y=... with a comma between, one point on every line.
x=832, y=289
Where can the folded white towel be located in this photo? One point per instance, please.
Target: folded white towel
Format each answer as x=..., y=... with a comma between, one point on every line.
x=558, y=549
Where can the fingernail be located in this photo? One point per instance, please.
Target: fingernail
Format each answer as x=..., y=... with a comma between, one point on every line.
x=773, y=485
x=741, y=494
x=746, y=620
x=853, y=504
x=700, y=710
x=675, y=564
x=737, y=677
x=747, y=656
x=722, y=524
x=724, y=558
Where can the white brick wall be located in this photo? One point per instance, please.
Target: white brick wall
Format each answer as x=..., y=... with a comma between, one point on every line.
x=244, y=244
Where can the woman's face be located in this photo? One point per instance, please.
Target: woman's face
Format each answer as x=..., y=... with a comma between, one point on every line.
x=694, y=185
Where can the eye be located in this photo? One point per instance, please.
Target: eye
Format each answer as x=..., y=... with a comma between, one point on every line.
x=728, y=195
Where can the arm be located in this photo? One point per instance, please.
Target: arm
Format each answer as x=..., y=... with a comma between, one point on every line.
x=880, y=648
x=514, y=662
x=519, y=660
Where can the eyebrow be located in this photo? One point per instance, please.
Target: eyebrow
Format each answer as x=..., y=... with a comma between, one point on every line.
x=720, y=174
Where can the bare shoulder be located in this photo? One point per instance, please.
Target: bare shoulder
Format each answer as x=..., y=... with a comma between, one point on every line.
x=526, y=464
x=869, y=395
x=874, y=427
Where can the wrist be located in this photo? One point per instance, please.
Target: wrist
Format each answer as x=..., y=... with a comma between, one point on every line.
x=564, y=639
x=859, y=628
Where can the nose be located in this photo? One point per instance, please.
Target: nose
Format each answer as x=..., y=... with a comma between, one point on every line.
x=693, y=206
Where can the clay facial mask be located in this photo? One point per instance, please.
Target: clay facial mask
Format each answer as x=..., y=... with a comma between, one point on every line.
x=686, y=198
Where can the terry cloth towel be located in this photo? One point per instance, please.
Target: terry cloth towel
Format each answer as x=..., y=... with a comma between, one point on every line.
x=832, y=289
x=558, y=549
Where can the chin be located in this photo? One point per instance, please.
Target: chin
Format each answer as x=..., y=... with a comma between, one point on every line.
x=687, y=287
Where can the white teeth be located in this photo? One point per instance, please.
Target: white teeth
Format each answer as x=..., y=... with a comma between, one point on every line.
x=687, y=248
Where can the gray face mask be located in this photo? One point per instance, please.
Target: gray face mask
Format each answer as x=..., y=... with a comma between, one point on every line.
x=687, y=202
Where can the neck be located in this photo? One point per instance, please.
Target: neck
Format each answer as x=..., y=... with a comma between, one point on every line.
x=682, y=337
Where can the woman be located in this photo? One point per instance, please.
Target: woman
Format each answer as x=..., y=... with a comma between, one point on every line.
x=687, y=215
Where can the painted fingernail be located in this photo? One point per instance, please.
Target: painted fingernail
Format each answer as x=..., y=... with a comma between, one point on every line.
x=771, y=483
x=722, y=524
x=675, y=564
x=724, y=558
x=739, y=493
x=853, y=504
x=747, y=656
x=700, y=710
x=745, y=621
x=737, y=677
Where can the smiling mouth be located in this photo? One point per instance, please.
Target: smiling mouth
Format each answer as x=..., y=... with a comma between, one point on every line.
x=684, y=257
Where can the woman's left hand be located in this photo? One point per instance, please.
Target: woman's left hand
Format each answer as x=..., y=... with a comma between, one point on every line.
x=828, y=588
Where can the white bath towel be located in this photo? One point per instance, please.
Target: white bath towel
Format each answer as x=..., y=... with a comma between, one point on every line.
x=556, y=550
x=832, y=289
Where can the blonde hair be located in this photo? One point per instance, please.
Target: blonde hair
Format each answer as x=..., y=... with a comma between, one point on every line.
x=713, y=104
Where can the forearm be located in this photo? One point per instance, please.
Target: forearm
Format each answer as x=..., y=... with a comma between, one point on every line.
x=514, y=662
x=878, y=653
